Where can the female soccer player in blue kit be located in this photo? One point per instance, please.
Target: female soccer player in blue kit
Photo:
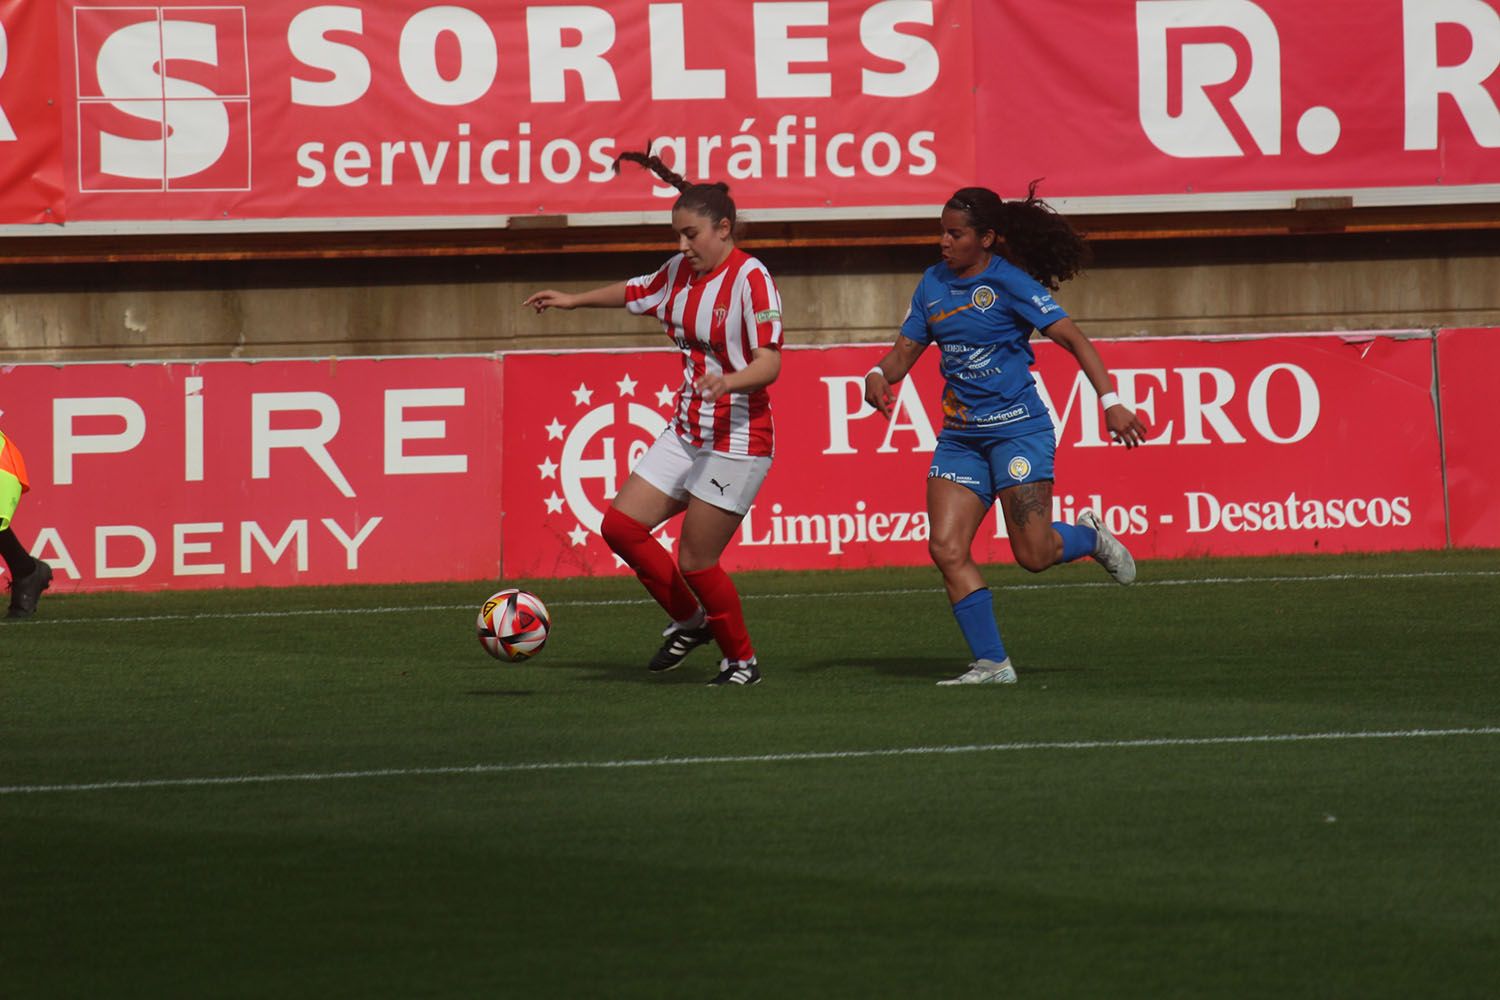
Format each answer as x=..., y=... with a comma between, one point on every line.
x=1000, y=262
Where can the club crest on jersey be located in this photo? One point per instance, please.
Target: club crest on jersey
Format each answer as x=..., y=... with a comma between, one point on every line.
x=1019, y=468
x=721, y=313
x=983, y=297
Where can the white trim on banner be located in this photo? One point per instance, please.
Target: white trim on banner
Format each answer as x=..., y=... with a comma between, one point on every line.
x=1391, y=197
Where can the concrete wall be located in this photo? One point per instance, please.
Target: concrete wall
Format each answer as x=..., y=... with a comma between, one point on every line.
x=472, y=304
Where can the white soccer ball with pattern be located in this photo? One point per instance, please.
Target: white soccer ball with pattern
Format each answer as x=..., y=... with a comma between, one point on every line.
x=513, y=625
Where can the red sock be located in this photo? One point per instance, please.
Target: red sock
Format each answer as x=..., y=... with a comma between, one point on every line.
x=725, y=618
x=632, y=542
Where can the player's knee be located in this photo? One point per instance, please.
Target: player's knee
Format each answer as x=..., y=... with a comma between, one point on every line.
x=620, y=531
x=1034, y=555
x=947, y=552
x=1031, y=560
x=690, y=561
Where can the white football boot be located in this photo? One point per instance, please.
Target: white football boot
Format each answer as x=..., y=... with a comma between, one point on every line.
x=985, y=672
x=1108, y=550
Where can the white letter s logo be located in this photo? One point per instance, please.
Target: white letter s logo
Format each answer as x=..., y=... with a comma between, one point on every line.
x=132, y=62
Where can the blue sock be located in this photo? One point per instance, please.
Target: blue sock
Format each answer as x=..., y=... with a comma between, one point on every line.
x=976, y=620
x=1078, y=541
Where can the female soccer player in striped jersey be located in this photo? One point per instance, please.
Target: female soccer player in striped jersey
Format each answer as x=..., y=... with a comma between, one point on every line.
x=1001, y=261
x=721, y=308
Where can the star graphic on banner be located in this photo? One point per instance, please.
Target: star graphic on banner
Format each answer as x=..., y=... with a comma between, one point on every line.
x=555, y=430
x=548, y=469
x=664, y=396
x=666, y=540
x=583, y=395
x=554, y=503
x=579, y=535
x=627, y=386
x=620, y=563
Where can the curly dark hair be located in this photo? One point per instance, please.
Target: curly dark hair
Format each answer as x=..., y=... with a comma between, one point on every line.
x=709, y=200
x=1036, y=239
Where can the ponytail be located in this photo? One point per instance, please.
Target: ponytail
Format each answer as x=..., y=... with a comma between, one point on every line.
x=709, y=200
x=1037, y=239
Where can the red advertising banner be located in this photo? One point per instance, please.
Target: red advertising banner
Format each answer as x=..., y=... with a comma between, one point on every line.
x=175, y=114
x=1258, y=446
x=290, y=109
x=229, y=474
x=1467, y=362
x=31, y=169
x=1198, y=97
x=236, y=474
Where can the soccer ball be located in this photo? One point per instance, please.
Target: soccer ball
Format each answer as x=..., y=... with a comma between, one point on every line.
x=513, y=625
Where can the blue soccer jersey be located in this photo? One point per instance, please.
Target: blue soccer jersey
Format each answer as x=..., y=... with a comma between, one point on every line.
x=982, y=327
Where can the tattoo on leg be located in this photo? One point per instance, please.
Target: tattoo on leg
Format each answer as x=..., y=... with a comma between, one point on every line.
x=1029, y=499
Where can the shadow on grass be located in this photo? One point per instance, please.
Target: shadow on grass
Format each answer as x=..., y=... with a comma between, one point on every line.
x=688, y=673
x=926, y=668
x=622, y=672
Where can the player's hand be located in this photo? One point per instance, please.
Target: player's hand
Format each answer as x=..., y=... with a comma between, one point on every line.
x=1125, y=426
x=711, y=386
x=550, y=299
x=878, y=393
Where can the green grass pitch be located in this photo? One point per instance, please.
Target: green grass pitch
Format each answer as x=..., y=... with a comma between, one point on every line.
x=1271, y=778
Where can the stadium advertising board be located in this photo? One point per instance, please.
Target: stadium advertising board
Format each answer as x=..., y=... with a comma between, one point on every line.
x=292, y=109
x=1206, y=97
x=1258, y=446
x=229, y=474
x=31, y=171
x=236, y=474
x=202, y=115
x=1467, y=362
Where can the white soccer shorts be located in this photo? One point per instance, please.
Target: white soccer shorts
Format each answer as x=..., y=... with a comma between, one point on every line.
x=678, y=469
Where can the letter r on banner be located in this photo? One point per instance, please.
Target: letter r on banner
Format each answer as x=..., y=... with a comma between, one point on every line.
x=1209, y=68
x=313, y=440
x=1427, y=81
x=7, y=134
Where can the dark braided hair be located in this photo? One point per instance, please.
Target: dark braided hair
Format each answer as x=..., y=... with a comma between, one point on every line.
x=1037, y=240
x=709, y=200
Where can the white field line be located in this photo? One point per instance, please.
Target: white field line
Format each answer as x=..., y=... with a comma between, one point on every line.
x=219, y=616
x=771, y=758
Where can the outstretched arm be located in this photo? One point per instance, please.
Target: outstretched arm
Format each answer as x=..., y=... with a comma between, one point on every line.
x=608, y=296
x=1123, y=423
x=892, y=369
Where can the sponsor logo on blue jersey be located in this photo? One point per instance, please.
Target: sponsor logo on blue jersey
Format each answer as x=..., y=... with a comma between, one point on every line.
x=970, y=363
x=1009, y=416
x=1044, y=304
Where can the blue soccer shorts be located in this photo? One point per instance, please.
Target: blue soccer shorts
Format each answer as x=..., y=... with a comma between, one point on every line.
x=988, y=465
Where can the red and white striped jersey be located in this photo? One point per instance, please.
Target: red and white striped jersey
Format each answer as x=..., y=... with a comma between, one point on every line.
x=716, y=320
